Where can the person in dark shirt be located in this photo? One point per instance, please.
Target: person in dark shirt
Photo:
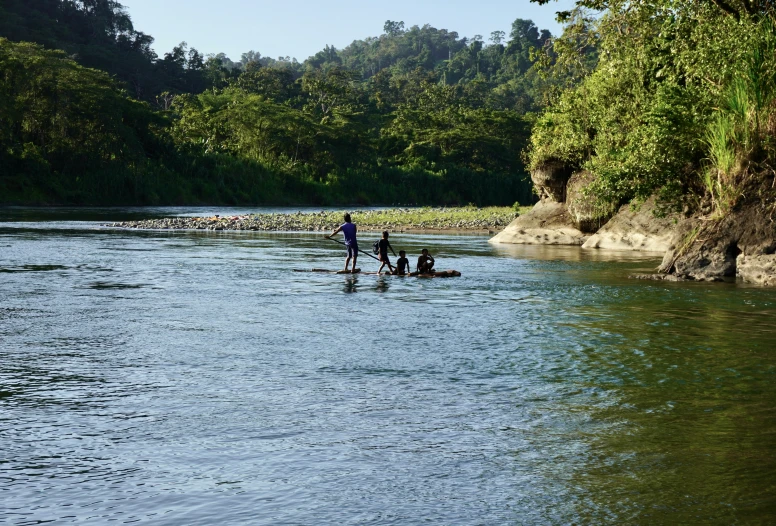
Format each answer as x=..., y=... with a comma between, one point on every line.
x=402, y=264
x=425, y=263
x=384, y=245
x=349, y=230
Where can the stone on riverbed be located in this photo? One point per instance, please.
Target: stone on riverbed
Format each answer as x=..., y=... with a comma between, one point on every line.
x=467, y=219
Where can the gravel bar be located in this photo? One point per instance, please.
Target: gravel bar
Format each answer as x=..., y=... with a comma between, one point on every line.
x=423, y=219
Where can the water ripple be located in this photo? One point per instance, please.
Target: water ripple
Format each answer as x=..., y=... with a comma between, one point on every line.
x=208, y=385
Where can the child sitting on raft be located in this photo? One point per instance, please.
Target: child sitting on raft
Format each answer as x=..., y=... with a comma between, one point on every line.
x=402, y=264
x=425, y=263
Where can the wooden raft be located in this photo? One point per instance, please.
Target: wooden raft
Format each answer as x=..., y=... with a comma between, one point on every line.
x=435, y=274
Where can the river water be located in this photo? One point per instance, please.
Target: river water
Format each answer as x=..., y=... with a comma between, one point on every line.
x=190, y=378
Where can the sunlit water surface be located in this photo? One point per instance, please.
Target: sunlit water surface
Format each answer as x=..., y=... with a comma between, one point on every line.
x=191, y=378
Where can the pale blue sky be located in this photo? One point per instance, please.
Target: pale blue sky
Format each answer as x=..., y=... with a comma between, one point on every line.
x=300, y=28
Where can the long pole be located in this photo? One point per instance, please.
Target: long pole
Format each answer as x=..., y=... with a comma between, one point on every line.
x=365, y=253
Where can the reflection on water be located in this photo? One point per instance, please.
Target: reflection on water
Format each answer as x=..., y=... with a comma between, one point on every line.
x=678, y=420
x=190, y=378
x=382, y=283
x=350, y=284
x=568, y=253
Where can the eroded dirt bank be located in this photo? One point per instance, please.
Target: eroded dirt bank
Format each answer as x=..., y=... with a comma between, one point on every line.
x=741, y=244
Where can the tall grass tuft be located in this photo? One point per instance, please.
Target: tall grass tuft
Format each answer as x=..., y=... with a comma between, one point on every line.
x=738, y=135
x=718, y=178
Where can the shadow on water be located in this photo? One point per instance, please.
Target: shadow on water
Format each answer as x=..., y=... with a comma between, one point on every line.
x=31, y=268
x=103, y=285
x=572, y=253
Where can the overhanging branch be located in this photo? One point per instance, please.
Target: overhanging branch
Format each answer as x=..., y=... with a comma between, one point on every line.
x=727, y=8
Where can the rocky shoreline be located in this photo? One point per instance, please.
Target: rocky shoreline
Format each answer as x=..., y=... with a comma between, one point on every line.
x=695, y=247
x=465, y=219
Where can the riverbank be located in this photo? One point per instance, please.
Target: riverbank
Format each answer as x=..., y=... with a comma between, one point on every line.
x=463, y=219
x=695, y=247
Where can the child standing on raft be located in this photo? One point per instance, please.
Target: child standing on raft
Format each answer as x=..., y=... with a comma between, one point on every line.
x=349, y=230
x=384, y=245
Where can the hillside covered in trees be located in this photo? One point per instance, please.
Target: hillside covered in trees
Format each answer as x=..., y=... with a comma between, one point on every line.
x=681, y=105
x=682, y=102
x=416, y=115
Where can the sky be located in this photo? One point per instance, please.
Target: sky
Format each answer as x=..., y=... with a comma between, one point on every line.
x=301, y=28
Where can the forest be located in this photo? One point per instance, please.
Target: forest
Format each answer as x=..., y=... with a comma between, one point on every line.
x=664, y=97
x=418, y=115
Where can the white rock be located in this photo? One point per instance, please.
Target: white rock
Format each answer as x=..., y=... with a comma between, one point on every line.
x=548, y=223
x=759, y=269
x=635, y=229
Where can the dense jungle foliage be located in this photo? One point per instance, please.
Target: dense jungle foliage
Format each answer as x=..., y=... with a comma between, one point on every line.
x=681, y=102
x=90, y=114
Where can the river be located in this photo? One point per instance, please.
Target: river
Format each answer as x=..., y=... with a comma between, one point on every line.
x=191, y=378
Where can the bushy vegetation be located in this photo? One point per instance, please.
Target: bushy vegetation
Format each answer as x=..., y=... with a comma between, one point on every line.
x=680, y=102
x=740, y=135
x=417, y=115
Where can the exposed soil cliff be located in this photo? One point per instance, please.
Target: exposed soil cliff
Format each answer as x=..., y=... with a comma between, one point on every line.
x=742, y=243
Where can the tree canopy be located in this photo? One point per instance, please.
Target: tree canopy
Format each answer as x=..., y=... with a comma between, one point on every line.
x=417, y=114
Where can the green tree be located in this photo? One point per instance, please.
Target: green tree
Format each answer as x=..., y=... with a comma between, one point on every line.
x=393, y=28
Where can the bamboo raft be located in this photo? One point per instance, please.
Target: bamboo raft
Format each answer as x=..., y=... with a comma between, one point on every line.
x=435, y=274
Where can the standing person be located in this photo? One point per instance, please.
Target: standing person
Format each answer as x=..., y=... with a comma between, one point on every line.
x=402, y=264
x=384, y=245
x=425, y=263
x=349, y=230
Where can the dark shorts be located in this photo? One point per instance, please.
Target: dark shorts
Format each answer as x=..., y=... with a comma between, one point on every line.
x=384, y=258
x=352, y=251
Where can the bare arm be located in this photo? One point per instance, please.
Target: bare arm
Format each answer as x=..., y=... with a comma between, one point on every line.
x=336, y=230
x=389, y=246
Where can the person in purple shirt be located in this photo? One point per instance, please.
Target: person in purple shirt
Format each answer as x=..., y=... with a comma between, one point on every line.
x=349, y=230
